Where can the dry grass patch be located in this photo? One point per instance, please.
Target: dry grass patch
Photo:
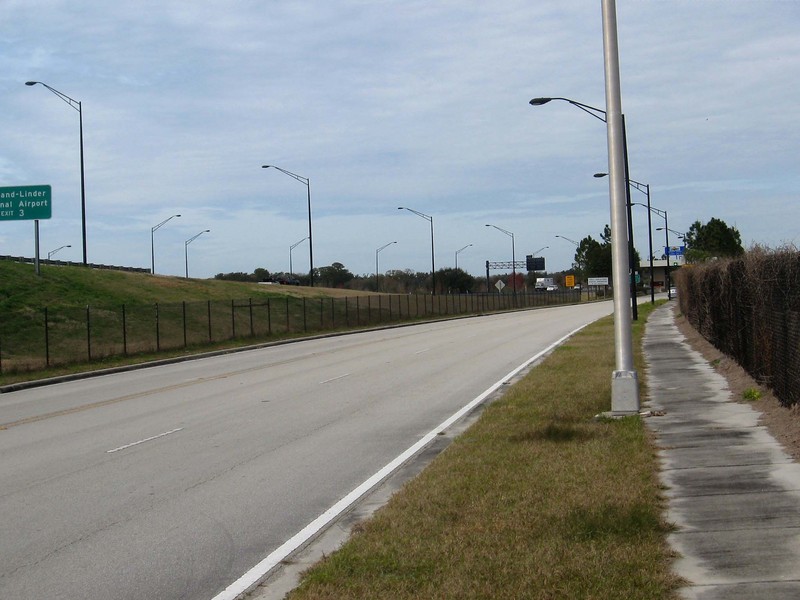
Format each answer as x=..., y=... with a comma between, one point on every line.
x=536, y=500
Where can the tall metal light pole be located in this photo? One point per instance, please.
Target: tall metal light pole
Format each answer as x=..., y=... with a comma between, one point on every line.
x=624, y=380
x=153, y=245
x=377, y=271
x=292, y=247
x=433, y=266
x=513, y=256
x=600, y=114
x=307, y=182
x=186, y=249
x=52, y=252
x=459, y=251
x=75, y=104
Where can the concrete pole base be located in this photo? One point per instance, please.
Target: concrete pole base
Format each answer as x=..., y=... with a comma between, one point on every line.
x=624, y=393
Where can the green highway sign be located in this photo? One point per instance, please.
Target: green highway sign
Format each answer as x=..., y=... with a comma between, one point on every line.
x=27, y=202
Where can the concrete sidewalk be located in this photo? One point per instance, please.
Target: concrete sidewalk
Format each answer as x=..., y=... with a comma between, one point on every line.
x=734, y=494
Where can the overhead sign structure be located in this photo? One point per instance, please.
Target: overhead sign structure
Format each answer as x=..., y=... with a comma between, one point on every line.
x=25, y=203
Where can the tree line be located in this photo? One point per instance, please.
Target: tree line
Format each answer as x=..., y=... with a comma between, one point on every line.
x=714, y=239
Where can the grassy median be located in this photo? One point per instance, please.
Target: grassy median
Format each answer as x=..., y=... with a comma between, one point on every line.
x=538, y=499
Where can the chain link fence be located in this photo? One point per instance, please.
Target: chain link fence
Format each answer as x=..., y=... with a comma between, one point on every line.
x=37, y=338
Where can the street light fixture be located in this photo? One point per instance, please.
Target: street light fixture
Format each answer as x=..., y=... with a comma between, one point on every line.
x=52, y=252
x=292, y=247
x=75, y=104
x=459, y=251
x=152, y=243
x=307, y=182
x=377, y=272
x=186, y=249
x=433, y=266
x=577, y=245
x=513, y=256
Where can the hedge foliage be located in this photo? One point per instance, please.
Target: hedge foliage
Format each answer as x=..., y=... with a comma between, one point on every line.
x=749, y=308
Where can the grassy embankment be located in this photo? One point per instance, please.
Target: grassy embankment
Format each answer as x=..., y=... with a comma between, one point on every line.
x=536, y=500
x=66, y=290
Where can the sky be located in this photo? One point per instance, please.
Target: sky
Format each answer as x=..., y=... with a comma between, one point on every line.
x=382, y=104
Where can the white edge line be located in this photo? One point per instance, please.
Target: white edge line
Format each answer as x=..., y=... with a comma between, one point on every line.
x=335, y=378
x=252, y=577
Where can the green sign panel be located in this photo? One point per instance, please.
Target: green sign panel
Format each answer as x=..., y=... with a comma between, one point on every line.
x=25, y=202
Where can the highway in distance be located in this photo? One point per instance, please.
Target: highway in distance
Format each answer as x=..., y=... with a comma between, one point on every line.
x=173, y=481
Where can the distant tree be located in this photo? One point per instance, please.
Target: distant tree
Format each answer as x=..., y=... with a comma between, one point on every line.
x=455, y=281
x=259, y=274
x=236, y=276
x=593, y=258
x=335, y=275
x=714, y=239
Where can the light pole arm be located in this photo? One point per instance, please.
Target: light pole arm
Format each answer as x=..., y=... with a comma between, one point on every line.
x=300, y=178
x=595, y=112
x=71, y=101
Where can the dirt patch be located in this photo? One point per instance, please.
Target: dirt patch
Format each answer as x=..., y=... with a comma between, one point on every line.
x=782, y=423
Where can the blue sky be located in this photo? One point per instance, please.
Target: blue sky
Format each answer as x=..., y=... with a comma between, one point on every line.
x=384, y=104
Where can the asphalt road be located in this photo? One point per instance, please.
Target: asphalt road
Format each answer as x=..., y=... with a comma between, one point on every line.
x=172, y=481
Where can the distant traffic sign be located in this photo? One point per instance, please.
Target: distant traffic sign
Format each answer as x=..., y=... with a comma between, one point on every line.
x=27, y=202
x=598, y=280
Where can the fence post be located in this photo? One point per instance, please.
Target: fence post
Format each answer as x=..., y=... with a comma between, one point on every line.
x=124, y=332
x=252, y=330
x=233, y=320
x=46, y=339
x=380, y=309
x=158, y=334
x=209, y=321
x=88, y=334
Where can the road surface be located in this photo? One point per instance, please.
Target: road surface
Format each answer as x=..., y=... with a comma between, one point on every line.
x=172, y=481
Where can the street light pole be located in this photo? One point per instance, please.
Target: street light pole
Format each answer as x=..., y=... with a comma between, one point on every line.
x=377, y=271
x=513, y=256
x=459, y=251
x=186, y=249
x=666, y=248
x=602, y=115
x=433, y=266
x=645, y=189
x=307, y=182
x=52, y=252
x=292, y=247
x=153, y=245
x=75, y=104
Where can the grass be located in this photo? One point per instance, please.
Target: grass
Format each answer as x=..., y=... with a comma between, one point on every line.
x=751, y=394
x=537, y=500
